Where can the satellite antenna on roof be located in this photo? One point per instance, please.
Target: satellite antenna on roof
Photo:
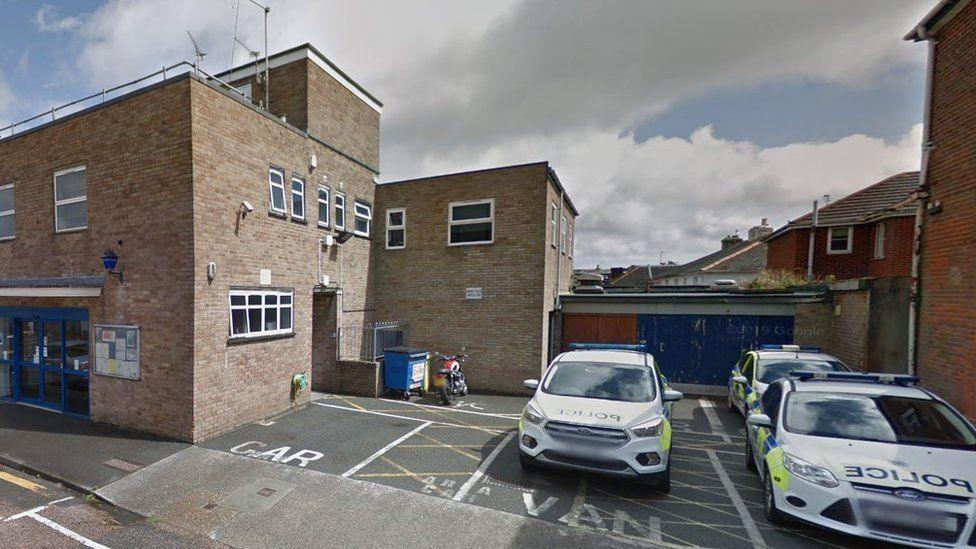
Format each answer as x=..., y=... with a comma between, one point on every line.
x=196, y=48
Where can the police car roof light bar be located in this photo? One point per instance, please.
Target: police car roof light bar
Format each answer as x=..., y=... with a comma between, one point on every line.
x=606, y=347
x=898, y=379
x=795, y=348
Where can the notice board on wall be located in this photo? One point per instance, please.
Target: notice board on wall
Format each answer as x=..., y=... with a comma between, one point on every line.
x=117, y=351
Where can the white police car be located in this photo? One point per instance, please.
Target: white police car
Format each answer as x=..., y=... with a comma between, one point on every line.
x=603, y=409
x=757, y=369
x=867, y=454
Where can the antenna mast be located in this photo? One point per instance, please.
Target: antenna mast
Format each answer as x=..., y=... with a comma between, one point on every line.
x=267, y=83
x=196, y=48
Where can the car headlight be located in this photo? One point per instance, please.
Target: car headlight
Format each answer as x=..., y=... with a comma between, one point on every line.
x=808, y=471
x=532, y=415
x=652, y=428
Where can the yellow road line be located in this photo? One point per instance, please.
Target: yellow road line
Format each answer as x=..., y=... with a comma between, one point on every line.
x=413, y=475
x=449, y=447
x=393, y=475
x=471, y=446
x=353, y=404
x=22, y=482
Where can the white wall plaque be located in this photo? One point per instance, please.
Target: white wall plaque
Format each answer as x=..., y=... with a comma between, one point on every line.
x=472, y=293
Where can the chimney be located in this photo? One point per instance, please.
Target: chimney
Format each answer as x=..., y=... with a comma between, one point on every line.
x=761, y=230
x=730, y=241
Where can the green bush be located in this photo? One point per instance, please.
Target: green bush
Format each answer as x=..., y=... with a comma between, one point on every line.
x=784, y=279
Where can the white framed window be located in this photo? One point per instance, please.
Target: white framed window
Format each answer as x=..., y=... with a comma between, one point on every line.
x=297, y=198
x=340, y=211
x=879, y=239
x=324, y=206
x=363, y=217
x=554, y=224
x=471, y=222
x=70, y=200
x=6, y=211
x=840, y=240
x=564, y=228
x=276, y=179
x=396, y=228
x=260, y=313
x=571, y=242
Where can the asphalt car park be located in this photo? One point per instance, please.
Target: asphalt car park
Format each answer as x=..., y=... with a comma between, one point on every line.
x=467, y=453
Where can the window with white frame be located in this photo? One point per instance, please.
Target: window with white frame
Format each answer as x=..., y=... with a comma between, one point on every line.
x=6, y=211
x=324, y=206
x=276, y=179
x=562, y=234
x=879, y=239
x=70, y=200
x=396, y=229
x=297, y=198
x=258, y=313
x=840, y=240
x=363, y=217
x=471, y=222
x=340, y=211
x=571, y=242
x=554, y=224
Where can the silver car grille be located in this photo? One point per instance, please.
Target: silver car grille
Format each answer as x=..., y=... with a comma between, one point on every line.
x=603, y=436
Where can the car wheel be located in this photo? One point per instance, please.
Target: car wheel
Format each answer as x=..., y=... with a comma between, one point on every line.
x=750, y=458
x=664, y=481
x=773, y=514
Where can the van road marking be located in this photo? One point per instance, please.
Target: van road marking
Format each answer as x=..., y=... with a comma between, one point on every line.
x=384, y=450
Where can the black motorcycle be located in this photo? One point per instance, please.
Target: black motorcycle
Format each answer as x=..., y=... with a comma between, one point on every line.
x=449, y=380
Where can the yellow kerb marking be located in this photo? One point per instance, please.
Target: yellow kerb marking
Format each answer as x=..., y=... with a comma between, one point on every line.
x=22, y=482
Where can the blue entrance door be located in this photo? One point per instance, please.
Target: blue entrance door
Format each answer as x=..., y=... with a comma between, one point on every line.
x=45, y=354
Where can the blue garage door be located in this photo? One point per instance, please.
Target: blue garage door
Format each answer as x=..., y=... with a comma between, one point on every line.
x=702, y=349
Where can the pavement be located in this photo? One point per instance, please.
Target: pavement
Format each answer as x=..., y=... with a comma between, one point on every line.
x=78, y=453
x=347, y=471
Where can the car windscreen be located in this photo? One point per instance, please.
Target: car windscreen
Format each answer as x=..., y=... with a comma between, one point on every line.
x=601, y=380
x=771, y=369
x=895, y=419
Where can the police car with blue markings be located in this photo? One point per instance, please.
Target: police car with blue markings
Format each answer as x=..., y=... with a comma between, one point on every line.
x=872, y=455
x=757, y=369
x=601, y=408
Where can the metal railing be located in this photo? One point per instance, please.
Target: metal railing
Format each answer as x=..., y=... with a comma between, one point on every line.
x=378, y=336
x=103, y=95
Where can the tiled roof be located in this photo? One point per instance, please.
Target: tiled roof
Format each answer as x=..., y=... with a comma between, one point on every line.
x=886, y=198
x=748, y=255
x=635, y=277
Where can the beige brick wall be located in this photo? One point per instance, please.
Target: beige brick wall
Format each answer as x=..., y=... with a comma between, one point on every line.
x=505, y=333
x=137, y=158
x=233, y=148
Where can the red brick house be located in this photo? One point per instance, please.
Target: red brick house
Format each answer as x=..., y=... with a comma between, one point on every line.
x=868, y=233
x=946, y=331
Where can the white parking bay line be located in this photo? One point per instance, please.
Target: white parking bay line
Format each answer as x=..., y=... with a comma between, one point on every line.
x=709, y=407
x=740, y=506
x=466, y=487
x=384, y=450
x=417, y=419
x=33, y=514
x=448, y=409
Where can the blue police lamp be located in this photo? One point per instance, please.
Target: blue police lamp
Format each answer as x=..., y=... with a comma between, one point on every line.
x=110, y=261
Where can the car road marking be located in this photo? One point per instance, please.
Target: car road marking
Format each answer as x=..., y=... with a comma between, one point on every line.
x=384, y=450
x=466, y=487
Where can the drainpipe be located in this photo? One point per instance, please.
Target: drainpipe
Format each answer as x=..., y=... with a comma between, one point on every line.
x=921, y=196
x=813, y=237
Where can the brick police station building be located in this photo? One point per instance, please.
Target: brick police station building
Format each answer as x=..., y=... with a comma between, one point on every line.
x=179, y=259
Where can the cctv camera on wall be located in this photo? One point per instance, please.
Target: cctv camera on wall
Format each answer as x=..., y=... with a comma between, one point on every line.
x=246, y=208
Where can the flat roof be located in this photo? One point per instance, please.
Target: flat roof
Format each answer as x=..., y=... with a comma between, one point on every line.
x=670, y=297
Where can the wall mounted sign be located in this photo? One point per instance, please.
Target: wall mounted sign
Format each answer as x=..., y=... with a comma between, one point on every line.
x=472, y=293
x=117, y=351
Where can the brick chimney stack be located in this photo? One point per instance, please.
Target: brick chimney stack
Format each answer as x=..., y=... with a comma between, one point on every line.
x=730, y=241
x=761, y=230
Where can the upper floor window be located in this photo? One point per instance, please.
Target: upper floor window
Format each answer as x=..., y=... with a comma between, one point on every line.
x=323, y=206
x=340, y=211
x=554, y=224
x=471, y=222
x=6, y=211
x=364, y=216
x=562, y=234
x=396, y=229
x=70, y=200
x=277, y=181
x=840, y=240
x=297, y=198
x=255, y=313
x=879, y=240
x=571, y=242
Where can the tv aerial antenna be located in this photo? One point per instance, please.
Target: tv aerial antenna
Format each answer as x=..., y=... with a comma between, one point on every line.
x=196, y=49
x=236, y=5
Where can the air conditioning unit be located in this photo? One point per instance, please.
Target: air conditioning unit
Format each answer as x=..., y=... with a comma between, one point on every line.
x=324, y=280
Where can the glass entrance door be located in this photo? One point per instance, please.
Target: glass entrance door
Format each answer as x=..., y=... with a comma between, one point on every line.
x=28, y=359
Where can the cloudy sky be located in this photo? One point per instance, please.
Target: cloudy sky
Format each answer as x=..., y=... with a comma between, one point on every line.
x=671, y=122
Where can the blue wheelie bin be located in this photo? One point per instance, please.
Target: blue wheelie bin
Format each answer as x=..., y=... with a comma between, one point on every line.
x=405, y=369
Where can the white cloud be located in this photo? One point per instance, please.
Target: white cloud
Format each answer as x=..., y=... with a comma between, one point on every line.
x=683, y=195
x=46, y=20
